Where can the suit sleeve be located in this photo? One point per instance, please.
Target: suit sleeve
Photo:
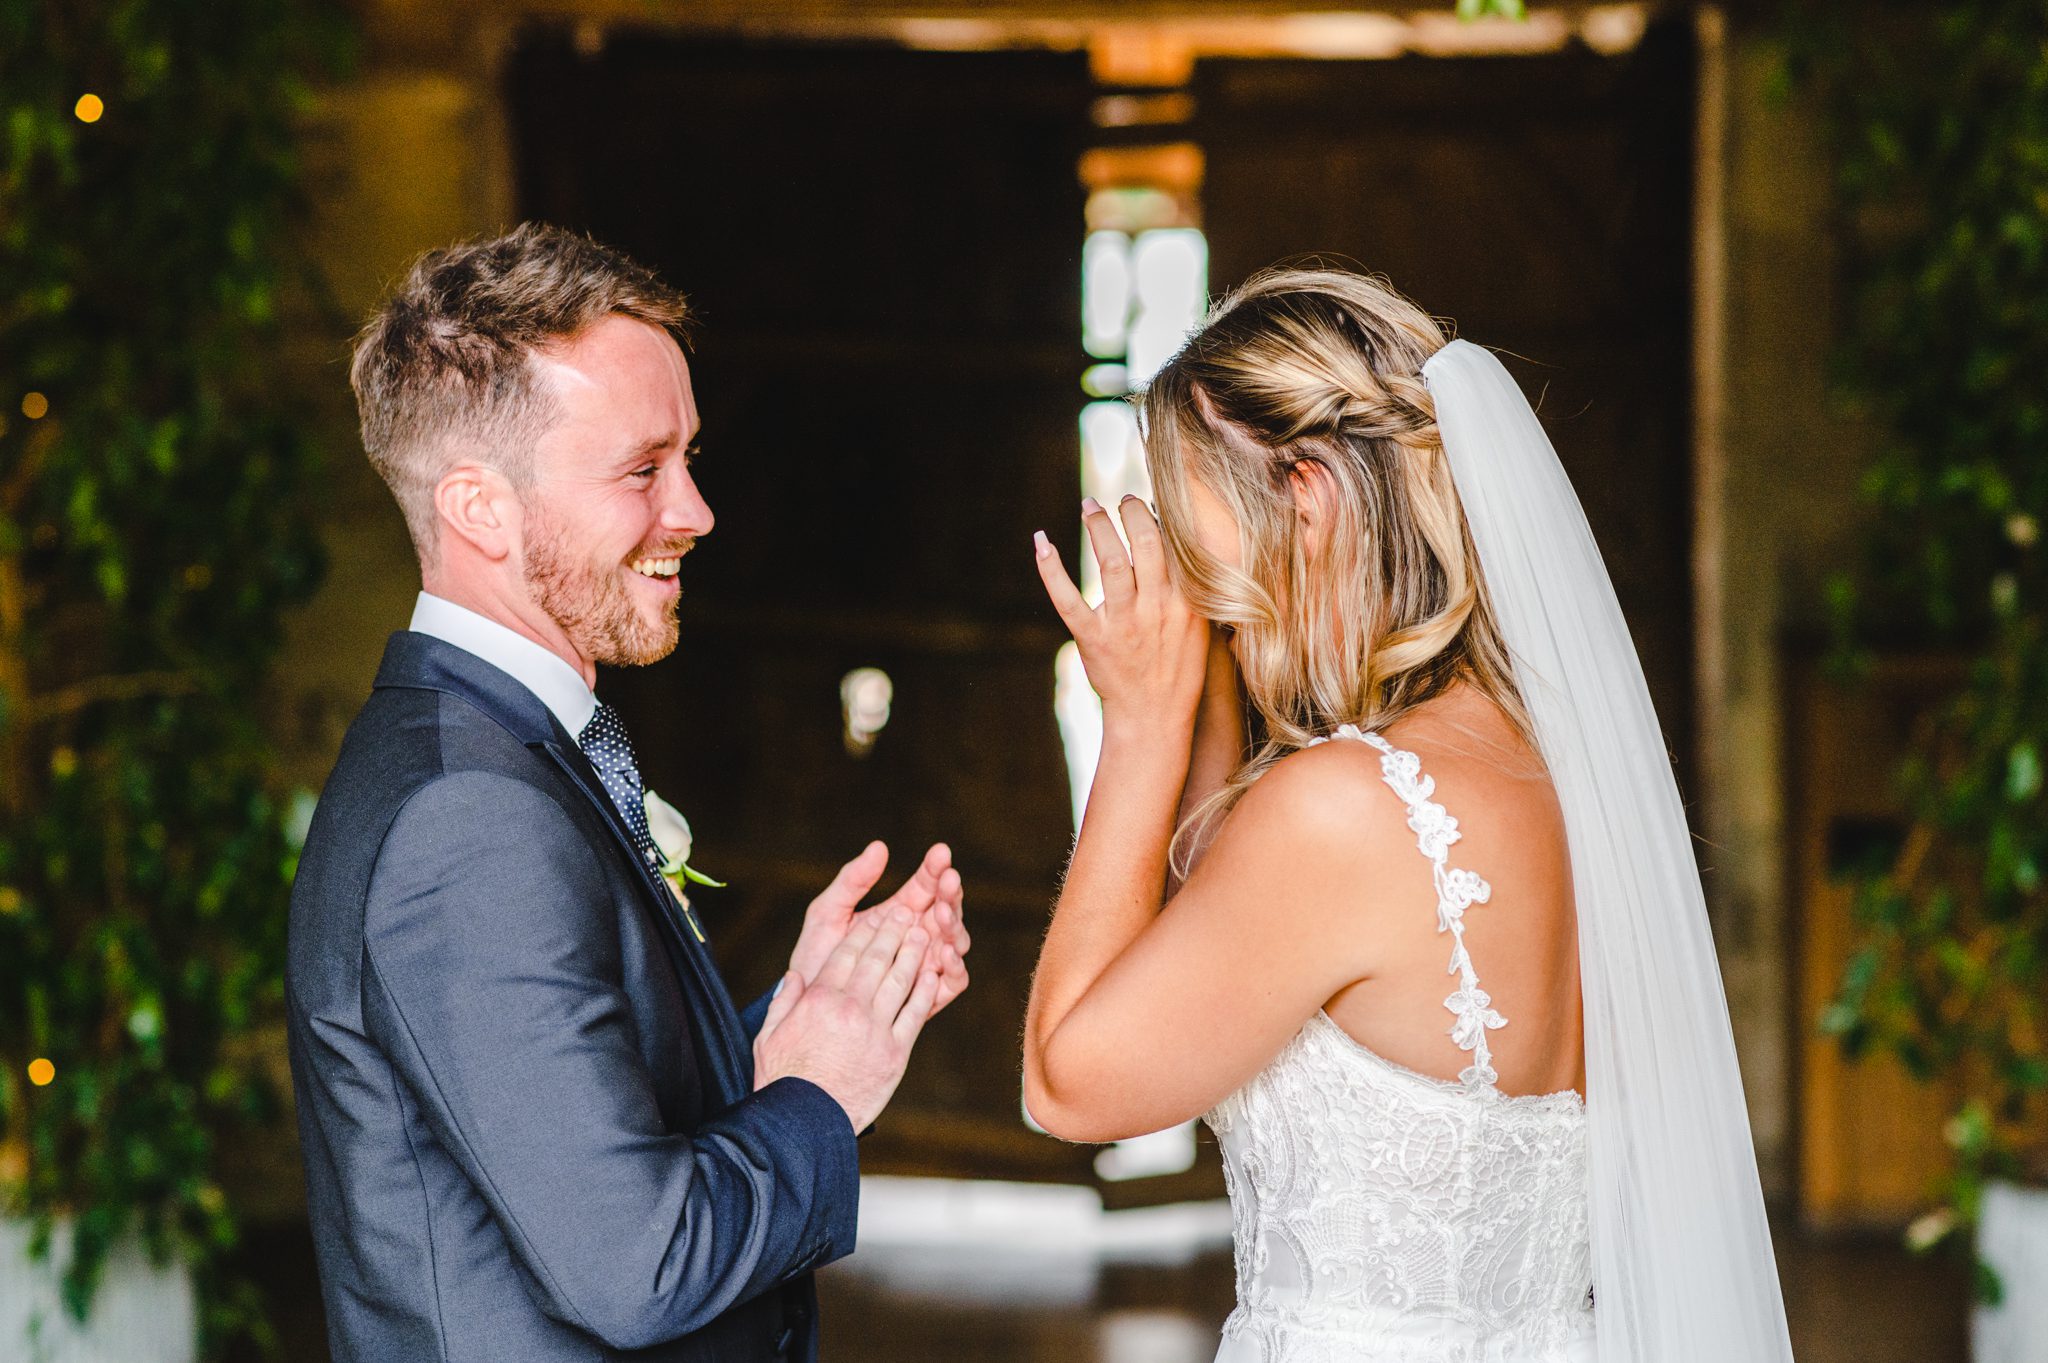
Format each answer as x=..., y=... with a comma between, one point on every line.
x=492, y=982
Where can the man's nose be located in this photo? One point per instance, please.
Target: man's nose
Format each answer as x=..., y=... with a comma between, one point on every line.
x=686, y=511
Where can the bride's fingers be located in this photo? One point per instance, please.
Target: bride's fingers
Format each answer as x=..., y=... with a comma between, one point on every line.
x=1148, y=549
x=1119, y=581
x=1066, y=597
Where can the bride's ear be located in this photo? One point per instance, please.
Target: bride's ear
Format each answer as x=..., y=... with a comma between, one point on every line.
x=1315, y=496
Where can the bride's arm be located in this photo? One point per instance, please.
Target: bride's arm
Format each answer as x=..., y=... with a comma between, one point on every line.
x=1219, y=743
x=1145, y=653
x=1140, y=1019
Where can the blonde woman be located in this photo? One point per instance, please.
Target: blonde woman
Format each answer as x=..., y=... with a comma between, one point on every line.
x=1433, y=960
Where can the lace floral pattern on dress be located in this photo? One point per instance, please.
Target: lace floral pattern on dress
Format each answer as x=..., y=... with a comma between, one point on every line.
x=1456, y=891
x=1386, y=1216
x=1383, y=1215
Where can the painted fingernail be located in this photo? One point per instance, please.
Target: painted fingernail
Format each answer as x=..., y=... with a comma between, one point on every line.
x=1041, y=543
x=1089, y=506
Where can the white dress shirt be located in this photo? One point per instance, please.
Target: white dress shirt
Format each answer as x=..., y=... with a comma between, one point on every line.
x=560, y=687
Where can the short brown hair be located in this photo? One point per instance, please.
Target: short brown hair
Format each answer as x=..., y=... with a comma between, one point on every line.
x=445, y=367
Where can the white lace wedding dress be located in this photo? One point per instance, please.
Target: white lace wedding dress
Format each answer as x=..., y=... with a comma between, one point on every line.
x=1383, y=1216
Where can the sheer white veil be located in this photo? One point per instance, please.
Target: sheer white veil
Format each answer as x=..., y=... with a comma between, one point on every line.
x=1683, y=1271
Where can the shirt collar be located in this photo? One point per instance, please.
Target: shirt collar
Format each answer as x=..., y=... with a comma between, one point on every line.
x=560, y=687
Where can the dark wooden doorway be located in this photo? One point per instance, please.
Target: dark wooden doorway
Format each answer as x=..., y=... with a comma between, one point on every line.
x=1545, y=205
x=883, y=247
x=883, y=250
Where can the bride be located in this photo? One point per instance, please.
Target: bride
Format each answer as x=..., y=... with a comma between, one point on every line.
x=1433, y=960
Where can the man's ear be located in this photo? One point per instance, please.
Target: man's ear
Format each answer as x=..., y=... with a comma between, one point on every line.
x=1315, y=496
x=476, y=504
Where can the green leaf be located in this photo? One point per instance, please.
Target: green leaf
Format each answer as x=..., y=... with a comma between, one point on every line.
x=1969, y=1131
x=2027, y=1073
x=1988, y=1287
x=1860, y=973
x=2022, y=772
x=163, y=444
x=1956, y=961
x=1839, y=1020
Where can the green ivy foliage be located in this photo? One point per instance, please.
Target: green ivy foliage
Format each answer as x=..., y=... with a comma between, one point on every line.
x=156, y=522
x=1940, y=116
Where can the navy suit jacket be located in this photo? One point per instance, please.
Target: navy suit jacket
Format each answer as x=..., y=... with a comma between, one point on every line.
x=525, y=1096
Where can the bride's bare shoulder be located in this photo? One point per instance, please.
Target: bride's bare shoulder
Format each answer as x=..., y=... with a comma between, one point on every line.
x=1326, y=804
x=1331, y=804
x=1480, y=764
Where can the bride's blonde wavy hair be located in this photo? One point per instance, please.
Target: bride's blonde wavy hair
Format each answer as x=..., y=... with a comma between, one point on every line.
x=1324, y=368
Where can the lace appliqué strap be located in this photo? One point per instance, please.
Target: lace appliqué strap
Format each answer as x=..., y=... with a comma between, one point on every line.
x=1456, y=890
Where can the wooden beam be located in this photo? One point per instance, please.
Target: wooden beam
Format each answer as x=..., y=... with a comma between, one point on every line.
x=1157, y=35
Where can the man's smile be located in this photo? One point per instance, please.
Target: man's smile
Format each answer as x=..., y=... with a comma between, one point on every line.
x=657, y=567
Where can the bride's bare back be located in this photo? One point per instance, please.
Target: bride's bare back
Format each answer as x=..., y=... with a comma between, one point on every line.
x=1383, y=1216
x=1523, y=939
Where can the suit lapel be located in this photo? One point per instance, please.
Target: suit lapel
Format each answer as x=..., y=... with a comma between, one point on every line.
x=719, y=1021
x=418, y=660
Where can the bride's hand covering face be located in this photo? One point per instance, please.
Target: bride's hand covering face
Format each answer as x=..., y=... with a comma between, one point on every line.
x=1145, y=649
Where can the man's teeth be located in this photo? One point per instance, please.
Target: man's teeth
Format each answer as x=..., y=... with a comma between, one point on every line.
x=657, y=567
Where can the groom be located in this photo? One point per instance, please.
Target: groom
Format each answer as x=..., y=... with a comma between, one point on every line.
x=535, y=1126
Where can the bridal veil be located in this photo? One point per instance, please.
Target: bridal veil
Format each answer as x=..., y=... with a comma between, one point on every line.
x=1683, y=1270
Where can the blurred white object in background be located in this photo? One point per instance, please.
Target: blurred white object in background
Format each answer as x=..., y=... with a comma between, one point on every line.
x=1016, y=1244
x=1154, y=1337
x=142, y=1313
x=865, y=695
x=1171, y=1151
x=2012, y=1239
x=1171, y=269
x=1032, y=1217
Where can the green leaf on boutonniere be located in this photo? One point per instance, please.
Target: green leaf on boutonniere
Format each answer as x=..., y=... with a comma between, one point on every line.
x=671, y=834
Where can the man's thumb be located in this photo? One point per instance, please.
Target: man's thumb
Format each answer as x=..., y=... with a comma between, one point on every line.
x=786, y=994
x=856, y=878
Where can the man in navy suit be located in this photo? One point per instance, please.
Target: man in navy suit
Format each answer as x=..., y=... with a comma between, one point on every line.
x=536, y=1128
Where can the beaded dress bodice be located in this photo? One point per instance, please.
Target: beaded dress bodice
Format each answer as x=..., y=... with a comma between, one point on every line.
x=1384, y=1216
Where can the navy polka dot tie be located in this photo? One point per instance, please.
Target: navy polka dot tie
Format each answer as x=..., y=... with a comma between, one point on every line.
x=604, y=742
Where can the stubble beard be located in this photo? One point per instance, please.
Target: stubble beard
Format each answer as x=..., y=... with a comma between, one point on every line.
x=594, y=608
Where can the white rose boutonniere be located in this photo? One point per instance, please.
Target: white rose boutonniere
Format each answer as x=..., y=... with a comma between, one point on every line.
x=672, y=839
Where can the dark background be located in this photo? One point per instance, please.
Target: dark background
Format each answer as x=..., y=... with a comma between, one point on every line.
x=883, y=250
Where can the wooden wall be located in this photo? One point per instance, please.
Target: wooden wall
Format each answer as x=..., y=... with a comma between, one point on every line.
x=883, y=249
x=1870, y=1147
x=1542, y=204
